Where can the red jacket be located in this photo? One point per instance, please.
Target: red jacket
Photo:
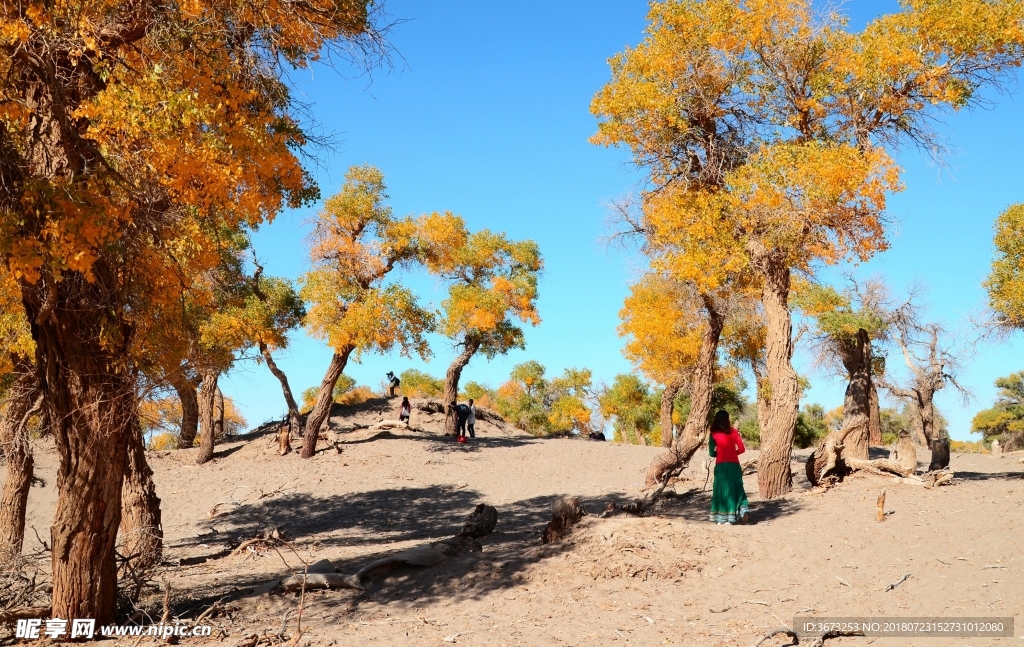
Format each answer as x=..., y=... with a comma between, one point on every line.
x=726, y=447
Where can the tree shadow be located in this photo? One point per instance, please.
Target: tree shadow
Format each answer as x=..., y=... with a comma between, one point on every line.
x=695, y=506
x=989, y=476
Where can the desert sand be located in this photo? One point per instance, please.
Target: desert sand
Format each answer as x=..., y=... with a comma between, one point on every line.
x=670, y=578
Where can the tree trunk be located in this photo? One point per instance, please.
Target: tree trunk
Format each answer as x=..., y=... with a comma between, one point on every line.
x=850, y=441
x=940, y=454
x=668, y=403
x=451, y=383
x=926, y=409
x=702, y=388
x=207, y=404
x=189, y=410
x=218, y=420
x=324, y=399
x=294, y=423
x=774, y=476
x=89, y=400
x=141, y=531
x=18, y=455
x=916, y=426
x=874, y=418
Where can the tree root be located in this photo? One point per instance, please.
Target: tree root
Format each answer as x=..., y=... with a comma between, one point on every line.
x=818, y=641
x=322, y=574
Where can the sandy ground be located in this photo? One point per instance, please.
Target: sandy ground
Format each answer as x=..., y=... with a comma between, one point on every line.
x=673, y=578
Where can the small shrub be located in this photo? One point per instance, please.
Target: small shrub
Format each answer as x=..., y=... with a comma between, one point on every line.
x=967, y=447
x=358, y=395
x=160, y=442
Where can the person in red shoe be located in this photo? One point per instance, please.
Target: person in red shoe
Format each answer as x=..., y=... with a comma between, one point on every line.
x=728, y=499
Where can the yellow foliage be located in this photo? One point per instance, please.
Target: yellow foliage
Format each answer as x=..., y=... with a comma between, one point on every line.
x=356, y=244
x=663, y=320
x=1005, y=283
x=492, y=281
x=163, y=441
x=358, y=395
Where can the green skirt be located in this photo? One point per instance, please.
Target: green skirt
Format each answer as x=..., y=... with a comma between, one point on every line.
x=728, y=500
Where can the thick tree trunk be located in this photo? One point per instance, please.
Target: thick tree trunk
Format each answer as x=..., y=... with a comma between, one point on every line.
x=668, y=404
x=850, y=441
x=702, y=388
x=294, y=423
x=774, y=476
x=940, y=454
x=926, y=409
x=451, y=384
x=916, y=423
x=89, y=399
x=207, y=416
x=141, y=531
x=874, y=418
x=18, y=454
x=189, y=410
x=324, y=399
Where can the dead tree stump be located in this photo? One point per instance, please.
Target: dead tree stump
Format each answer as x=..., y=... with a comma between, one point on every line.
x=566, y=511
x=284, y=440
x=940, y=454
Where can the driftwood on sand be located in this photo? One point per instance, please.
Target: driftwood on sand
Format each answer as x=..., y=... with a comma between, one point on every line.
x=322, y=575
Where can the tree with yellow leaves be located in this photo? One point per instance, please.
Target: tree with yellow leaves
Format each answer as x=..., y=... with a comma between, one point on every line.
x=1005, y=284
x=764, y=129
x=131, y=134
x=663, y=320
x=492, y=282
x=356, y=245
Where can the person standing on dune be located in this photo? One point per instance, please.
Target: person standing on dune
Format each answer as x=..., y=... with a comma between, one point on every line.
x=728, y=499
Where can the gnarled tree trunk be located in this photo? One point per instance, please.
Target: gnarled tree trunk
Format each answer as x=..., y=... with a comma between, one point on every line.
x=189, y=410
x=874, y=418
x=18, y=454
x=142, y=533
x=774, y=476
x=324, y=399
x=668, y=404
x=850, y=440
x=451, y=383
x=294, y=424
x=218, y=413
x=207, y=416
x=702, y=387
x=89, y=399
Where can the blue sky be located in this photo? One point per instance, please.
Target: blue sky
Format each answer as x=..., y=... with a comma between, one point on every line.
x=486, y=113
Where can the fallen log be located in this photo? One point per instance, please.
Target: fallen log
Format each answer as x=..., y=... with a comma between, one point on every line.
x=24, y=613
x=323, y=575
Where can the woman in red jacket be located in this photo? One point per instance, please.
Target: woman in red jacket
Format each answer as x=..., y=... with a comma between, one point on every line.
x=728, y=500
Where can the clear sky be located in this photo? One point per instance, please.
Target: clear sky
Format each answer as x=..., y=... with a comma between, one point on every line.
x=485, y=112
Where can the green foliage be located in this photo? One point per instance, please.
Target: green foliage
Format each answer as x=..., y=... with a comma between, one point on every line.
x=750, y=430
x=541, y=406
x=417, y=384
x=344, y=384
x=1005, y=284
x=476, y=392
x=811, y=426
x=634, y=408
x=1005, y=420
